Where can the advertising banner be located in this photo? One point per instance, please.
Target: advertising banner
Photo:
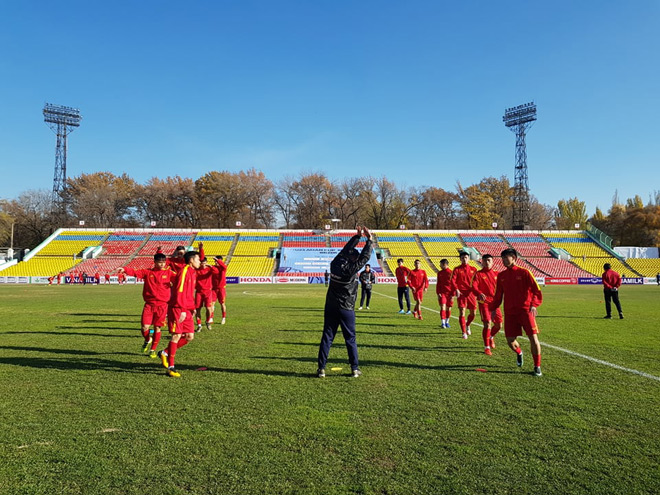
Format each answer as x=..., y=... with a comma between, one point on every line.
x=561, y=281
x=314, y=259
x=632, y=281
x=233, y=280
x=647, y=281
x=386, y=280
x=316, y=280
x=540, y=280
x=590, y=281
x=290, y=280
x=257, y=280
x=41, y=280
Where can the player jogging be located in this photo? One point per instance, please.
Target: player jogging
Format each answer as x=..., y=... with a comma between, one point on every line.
x=483, y=287
x=220, y=285
x=521, y=294
x=402, y=290
x=180, y=313
x=204, y=295
x=156, y=294
x=418, y=282
x=462, y=280
x=445, y=291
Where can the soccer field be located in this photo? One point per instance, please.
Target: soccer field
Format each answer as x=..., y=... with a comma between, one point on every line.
x=85, y=412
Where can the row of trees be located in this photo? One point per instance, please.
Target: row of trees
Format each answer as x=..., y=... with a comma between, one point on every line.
x=309, y=201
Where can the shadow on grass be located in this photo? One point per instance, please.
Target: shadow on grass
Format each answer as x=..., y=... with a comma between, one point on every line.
x=390, y=364
x=339, y=343
x=70, y=333
x=319, y=331
x=82, y=365
x=75, y=352
x=270, y=372
x=70, y=327
x=97, y=314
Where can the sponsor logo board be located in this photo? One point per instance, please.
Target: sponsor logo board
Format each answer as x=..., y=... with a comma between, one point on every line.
x=290, y=280
x=632, y=281
x=561, y=281
x=256, y=280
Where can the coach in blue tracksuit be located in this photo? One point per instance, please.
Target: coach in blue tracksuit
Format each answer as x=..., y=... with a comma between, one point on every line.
x=340, y=300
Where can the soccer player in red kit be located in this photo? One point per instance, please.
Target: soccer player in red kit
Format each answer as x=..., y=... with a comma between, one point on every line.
x=156, y=294
x=181, y=310
x=107, y=278
x=521, y=294
x=462, y=280
x=219, y=285
x=445, y=290
x=402, y=290
x=418, y=283
x=204, y=295
x=483, y=287
x=121, y=278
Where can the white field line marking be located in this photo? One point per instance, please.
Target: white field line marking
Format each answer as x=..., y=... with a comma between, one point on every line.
x=556, y=348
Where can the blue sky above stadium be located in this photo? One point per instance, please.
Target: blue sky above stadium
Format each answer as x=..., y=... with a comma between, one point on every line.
x=414, y=91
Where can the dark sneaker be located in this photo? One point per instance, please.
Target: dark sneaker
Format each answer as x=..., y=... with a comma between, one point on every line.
x=356, y=373
x=608, y=317
x=320, y=373
x=537, y=371
x=620, y=316
x=519, y=359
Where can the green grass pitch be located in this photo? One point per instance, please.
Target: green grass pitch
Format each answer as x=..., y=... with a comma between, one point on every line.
x=85, y=412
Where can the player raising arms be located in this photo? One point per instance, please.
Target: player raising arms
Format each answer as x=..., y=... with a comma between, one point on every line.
x=521, y=294
x=445, y=291
x=204, y=295
x=483, y=287
x=418, y=283
x=219, y=285
x=156, y=294
x=181, y=310
x=462, y=280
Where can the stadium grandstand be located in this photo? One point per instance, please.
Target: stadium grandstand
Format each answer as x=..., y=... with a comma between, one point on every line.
x=264, y=252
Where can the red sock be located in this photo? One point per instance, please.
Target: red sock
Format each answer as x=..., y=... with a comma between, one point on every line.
x=442, y=314
x=145, y=334
x=470, y=319
x=181, y=343
x=171, y=352
x=537, y=360
x=448, y=313
x=199, y=321
x=209, y=316
x=485, y=333
x=518, y=350
x=154, y=344
x=224, y=313
x=495, y=329
x=461, y=322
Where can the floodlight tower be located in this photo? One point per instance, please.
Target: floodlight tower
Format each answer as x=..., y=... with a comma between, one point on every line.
x=62, y=121
x=519, y=119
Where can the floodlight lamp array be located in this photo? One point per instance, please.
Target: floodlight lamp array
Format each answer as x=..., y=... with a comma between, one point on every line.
x=58, y=114
x=521, y=114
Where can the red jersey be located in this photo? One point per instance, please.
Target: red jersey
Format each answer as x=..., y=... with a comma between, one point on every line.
x=204, y=279
x=444, y=284
x=484, y=282
x=519, y=289
x=462, y=278
x=183, y=289
x=402, y=273
x=219, y=275
x=178, y=264
x=611, y=279
x=157, y=283
x=417, y=280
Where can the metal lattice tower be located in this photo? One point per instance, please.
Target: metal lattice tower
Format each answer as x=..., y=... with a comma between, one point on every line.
x=519, y=119
x=62, y=121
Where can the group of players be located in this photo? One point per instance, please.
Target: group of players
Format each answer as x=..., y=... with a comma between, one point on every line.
x=176, y=290
x=484, y=289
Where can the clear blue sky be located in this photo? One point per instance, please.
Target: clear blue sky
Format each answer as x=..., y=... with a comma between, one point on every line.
x=414, y=91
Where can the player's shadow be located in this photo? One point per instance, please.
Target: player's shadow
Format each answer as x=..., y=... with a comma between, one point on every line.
x=71, y=327
x=240, y=371
x=69, y=364
x=99, y=314
x=74, y=352
x=68, y=333
x=340, y=343
x=306, y=310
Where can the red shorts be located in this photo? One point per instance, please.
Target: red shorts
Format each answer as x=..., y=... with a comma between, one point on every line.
x=176, y=326
x=154, y=313
x=514, y=324
x=446, y=298
x=488, y=315
x=221, y=295
x=204, y=298
x=418, y=295
x=469, y=301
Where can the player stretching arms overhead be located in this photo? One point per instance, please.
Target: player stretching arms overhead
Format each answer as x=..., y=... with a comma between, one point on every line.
x=180, y=313
x=462, y=280
x=445, y=291
x=483, y=287
x=418, y=283
x=402, y=290
x=204, y=295
x=521, y=294
x=220, y=285
x=156, y=294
